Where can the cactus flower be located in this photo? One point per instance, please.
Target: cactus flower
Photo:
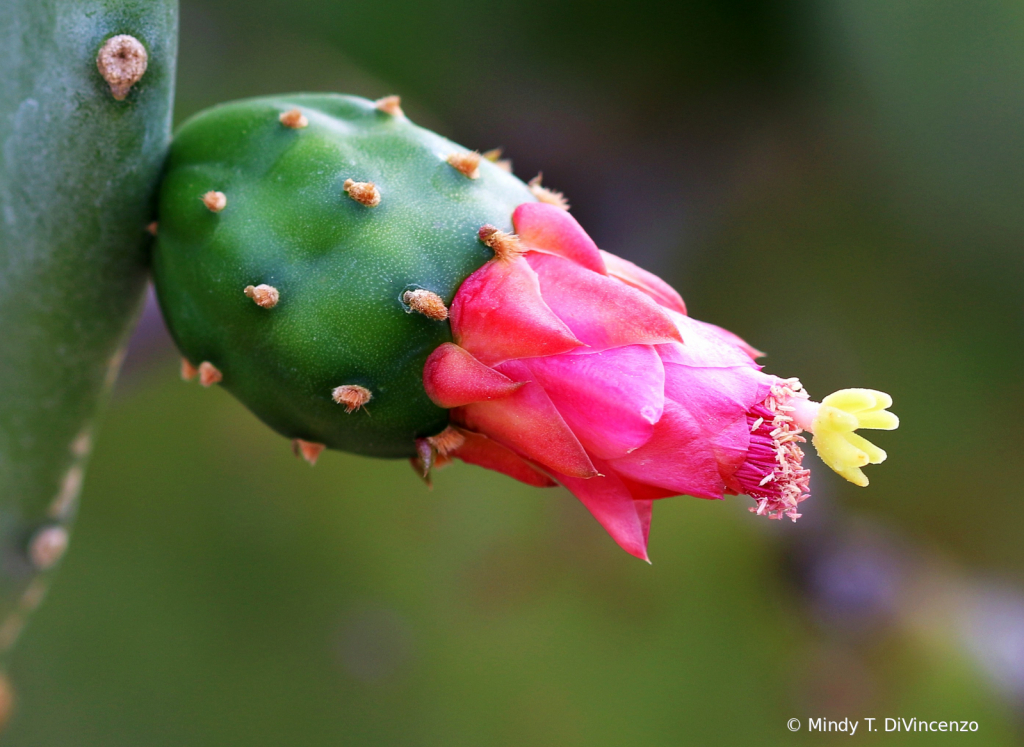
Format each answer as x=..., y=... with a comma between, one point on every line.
x=572, y=363
x=364, y=284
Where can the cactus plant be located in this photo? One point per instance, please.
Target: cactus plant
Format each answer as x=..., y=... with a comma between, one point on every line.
x=85, y=113
x=364, y=284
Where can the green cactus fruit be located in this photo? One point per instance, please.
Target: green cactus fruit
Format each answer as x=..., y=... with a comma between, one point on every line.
x=85, y=118
x=306, y=246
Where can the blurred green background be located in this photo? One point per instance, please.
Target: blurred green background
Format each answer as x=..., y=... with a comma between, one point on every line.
x=839, y=181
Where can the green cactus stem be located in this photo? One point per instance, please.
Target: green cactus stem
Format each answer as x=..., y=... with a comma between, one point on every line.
x=85, y=114
x=309, y=246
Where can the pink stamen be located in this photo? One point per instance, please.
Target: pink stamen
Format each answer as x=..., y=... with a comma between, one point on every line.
x=773, y=474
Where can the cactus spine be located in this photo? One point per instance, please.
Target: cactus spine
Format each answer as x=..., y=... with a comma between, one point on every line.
x=85, y=113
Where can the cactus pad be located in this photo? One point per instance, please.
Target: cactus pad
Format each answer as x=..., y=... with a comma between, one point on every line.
x=334, y=208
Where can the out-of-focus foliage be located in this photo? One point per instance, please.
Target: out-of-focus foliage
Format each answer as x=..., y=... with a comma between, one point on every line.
x=836, y=181
x=222, y=592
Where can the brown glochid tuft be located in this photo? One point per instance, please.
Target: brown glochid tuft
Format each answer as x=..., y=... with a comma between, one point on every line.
x=48, y=546
x=494, y=156
x=352, y=396
x=427, y=303
x=365, y=193
x=265, y=296
x=294, y=119
x=308, y=450
x=122, y=62
x=467, y=164
x=447, y=440
x=390, y=105
x=215, y=201
x=188, y=371
x=544, y=194
x=506, y=246
x=209, y=374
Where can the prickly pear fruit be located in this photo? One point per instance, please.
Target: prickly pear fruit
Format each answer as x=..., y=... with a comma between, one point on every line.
x=85, y=120
x=308, y=247
x=366, y=285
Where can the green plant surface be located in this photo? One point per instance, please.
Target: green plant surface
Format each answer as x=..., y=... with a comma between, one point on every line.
x=341, y=267
x=78, y=171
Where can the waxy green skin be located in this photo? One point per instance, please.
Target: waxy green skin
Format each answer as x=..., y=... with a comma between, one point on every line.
x=78, y=179
x=340, y=267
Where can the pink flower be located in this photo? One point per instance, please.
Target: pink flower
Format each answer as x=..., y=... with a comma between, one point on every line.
x=570, y=364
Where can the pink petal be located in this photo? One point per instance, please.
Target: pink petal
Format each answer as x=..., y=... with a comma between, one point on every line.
x=453, y=377
x=704, y=347
x=498, y=314
x=601, y=311
x=610, y=399
x=644, y=281
x=546, y=228
x=735, y=339
x=677, y=458
x=718, y=400
x=643, y=492
x=609, y=500
x=528, y=423
x=644, y=509
x=479, y=450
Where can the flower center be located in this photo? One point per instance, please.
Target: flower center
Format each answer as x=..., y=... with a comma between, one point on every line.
x=772, y=473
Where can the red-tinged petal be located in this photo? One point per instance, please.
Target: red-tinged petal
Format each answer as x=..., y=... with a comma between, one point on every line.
x=609, y=500
x=734, y=339
x=484, y=452
x=644, y=281
x=677, y=458
x=453, y=377
x=643, y=492
x=718, y=400
x=529, y=424
x=644, y=509
x=498, y=314
x=601, y=311
x=547, y=228
x=610, y=399
x=703, y=347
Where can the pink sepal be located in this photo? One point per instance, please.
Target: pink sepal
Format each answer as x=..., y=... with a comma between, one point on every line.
x=644, y=510
x=499, y=314
x=677, y=457
x=642, y=492
x=718, y=400
x=704, y=347
x=484, y=452
x=545, y=228
x=644, y=281
x=601, y=311
x=735, y=339
x=628, y=521
x=528, y=423
x=452, y=377
x=610, y=399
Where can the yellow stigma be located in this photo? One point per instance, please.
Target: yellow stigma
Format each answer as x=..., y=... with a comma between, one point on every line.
x=840, y=414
